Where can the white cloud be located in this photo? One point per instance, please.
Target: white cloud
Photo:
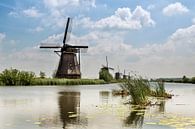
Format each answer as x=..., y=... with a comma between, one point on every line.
x=174, y=9
x=2, y=37
x=122, y=19
x=32, y=12
x=62, y=3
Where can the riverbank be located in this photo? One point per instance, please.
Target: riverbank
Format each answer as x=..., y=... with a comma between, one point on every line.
x=55, y=81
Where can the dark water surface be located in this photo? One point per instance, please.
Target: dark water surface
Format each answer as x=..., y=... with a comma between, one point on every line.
x=92, y=107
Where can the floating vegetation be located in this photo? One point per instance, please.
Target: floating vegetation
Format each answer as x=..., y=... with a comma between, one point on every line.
x=37, y=123
x=172, y=120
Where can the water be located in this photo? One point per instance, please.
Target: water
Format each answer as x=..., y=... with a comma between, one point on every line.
x=92, y=107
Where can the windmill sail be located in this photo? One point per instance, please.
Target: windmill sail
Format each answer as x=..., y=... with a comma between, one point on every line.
x=49, y=45
x=67, y=30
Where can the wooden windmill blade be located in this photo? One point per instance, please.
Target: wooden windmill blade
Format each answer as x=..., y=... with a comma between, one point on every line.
x=110, y=68
x=67, y=30
x=81, y=49
x=49, y=45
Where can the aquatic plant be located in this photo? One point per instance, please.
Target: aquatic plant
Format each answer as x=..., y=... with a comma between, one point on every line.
x=138, y=89
x=160, y=91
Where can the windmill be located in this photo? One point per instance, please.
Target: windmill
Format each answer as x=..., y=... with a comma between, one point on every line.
x=107, y=67
x=69, y=63
x=118, y=74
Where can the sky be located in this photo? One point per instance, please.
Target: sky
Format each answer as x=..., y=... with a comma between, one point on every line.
x=151, y=38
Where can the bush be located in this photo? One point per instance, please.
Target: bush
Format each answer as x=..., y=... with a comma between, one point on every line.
x=14, y=77
x=105, y=75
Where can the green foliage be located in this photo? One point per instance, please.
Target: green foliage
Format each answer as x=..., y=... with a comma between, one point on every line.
x=105, y=75
x=193, y=80
x=185, y=79
x=14, y=77
x=138, y=89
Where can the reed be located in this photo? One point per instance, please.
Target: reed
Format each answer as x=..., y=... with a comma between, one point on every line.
x=160, y=91
x=55, y=81
x=138, y=89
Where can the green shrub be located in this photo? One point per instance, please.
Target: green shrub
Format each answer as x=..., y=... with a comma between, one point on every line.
x=14, y=77
x=193, y=80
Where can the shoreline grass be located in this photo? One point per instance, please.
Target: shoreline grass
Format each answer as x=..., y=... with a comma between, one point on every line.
x=55, y=81
x=60, y=82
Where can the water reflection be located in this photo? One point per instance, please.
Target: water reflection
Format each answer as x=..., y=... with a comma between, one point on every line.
x=69, y=106
x=104, y=95
x=162, y=106
x=135, y=118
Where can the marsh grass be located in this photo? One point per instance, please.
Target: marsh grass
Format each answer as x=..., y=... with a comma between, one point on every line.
x=55, y=81
x=138, y=89
x=160, y=90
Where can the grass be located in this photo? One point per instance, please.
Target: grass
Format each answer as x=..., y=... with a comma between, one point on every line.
x=138, y=89
x=160, y=91
x=51, y=81
x=54, y=81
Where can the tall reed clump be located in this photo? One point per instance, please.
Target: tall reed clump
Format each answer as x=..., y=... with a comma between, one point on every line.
x=138, y=89
x=160, y=90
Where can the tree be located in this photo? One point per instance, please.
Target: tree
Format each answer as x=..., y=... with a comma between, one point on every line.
x=193, y=80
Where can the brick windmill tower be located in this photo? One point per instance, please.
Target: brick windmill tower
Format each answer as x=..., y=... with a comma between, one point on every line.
x=69, y=63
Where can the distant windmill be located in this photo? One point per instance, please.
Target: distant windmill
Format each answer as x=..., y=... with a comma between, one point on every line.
x=118, y=74
x=124, y=75
x=68, y=66
x=107, y=66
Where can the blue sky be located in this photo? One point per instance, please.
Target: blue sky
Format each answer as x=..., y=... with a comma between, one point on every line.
x=153, y=38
